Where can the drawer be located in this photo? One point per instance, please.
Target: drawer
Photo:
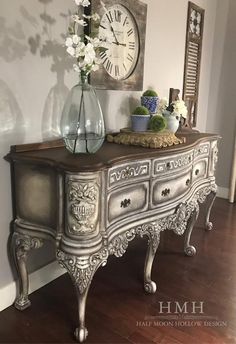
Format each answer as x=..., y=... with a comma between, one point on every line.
x=202, y=150
x=127, y=201
x=163, y=191
x=173, y=163
x=126, y=173
x=200, y=169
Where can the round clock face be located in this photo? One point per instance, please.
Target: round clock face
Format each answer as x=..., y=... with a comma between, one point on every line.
x=120, y=59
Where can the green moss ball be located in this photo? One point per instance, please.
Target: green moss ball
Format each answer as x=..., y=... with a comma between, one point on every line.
x=150, y=93
x=141, y=110
x=157, y=123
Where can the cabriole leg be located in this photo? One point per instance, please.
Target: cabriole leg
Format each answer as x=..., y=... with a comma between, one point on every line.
x=21, y=245
x=81, y=270
x=189, y=249
x=153, y=242
x=210, y=201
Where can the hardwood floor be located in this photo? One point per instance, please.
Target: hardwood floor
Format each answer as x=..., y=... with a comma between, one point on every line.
x=118, y=311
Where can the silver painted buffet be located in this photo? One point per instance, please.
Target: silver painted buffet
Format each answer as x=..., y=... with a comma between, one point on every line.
x=92, y=206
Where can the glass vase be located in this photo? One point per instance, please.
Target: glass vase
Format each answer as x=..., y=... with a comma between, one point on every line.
x=82, y=123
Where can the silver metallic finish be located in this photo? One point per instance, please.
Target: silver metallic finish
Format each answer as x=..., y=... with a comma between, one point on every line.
x=82, y=203
x=189, y=249
x=21, y=245
x=100, y=212
x=128, y=172
x=81, y=270
x=212, y=197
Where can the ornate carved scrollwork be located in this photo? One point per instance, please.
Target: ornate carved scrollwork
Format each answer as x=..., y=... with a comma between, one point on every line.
x=119, y=244
x=177, y=223
x=24, y=243
x=81, y=269
x=215, y=157
x=83, y=206
x=128, y=172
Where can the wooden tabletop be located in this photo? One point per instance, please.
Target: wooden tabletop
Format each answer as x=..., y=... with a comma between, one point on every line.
x=56, y=155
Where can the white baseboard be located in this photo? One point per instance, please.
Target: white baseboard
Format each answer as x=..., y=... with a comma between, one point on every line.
x=37, y=280
x=222, y=192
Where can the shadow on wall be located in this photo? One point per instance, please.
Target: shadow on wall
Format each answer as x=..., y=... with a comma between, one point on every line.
x=12, y=124
x=47, y=46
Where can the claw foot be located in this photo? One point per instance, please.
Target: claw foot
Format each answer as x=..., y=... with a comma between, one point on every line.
x=150, y=287
x=190, y=251
x=209, y=226
x=81, y=334
x=22, y=303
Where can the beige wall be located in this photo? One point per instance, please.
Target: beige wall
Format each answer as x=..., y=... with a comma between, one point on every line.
x=33, y=81
x=221, y=112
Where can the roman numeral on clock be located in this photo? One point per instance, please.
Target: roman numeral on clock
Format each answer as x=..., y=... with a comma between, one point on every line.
x=109, y=16
x=103, y=55
x=109, y=66
x=117, y=16
x=131, y=45
x=130, y=32
x=130, y=58
x=125, y=21
x=117, y=71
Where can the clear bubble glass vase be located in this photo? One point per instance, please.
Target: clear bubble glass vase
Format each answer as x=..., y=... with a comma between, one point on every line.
x=82, y=123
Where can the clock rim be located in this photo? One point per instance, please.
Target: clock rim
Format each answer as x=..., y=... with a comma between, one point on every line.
x=100, y=79
x=133, y=66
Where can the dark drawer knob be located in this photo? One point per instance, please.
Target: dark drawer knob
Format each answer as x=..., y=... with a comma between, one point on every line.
x=197, y=172
x=165, y=192
x=168, y=165
x=188, y=182
x=125, y=203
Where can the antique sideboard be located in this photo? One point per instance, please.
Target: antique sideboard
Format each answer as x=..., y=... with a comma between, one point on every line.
x=92, y=206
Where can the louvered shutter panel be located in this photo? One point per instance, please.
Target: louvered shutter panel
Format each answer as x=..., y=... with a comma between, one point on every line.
x=193, y=53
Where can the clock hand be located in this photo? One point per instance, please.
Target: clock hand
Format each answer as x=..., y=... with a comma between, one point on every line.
x=114, y=35
x=117, y=43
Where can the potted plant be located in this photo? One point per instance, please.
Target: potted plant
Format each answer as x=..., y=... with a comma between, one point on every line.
x=173, y=113
x=150, y=100
x=157, y=123
x=140, y=119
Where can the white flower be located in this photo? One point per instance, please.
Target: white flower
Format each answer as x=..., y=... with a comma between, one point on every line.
x=71, y=51
x=180, y=108
x=76, y=39
x=163, y=103
x=69, y=42
x=80, y=50
x=78, y=20
x=84, y=3
x=85, y=50
x=94, y=41
x=90, y=53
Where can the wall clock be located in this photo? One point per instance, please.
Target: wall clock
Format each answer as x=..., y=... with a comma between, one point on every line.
x=123, y=62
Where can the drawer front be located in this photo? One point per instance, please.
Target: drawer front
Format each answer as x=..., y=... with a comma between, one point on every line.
x=126, y=173
x=127, y=201
x=172, y=164
x=163, y=191
x=202, y=150
x=200, y=169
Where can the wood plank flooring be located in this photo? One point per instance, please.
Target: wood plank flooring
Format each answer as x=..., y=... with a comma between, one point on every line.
x=118, y=311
